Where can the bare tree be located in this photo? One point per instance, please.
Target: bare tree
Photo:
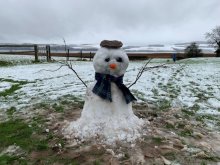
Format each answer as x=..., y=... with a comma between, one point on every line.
x=213, y=38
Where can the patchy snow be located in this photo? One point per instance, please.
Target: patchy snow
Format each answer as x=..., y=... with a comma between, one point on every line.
x=23, y=59
x=188, y=83
x=4, y=86
x=12, y=150
x=214, y=102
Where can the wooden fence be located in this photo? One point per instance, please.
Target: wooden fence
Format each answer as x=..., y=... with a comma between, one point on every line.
x=85, y=54
x=34, y=46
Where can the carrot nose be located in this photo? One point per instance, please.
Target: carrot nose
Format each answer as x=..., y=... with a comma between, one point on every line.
x=112, y=66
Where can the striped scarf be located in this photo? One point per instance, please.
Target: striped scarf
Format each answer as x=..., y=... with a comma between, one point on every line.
x=102, y=87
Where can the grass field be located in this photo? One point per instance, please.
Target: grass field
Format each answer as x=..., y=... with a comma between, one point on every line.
x=181, y=102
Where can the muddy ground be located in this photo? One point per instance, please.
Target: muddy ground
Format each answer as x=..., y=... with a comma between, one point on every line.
x=173, y=136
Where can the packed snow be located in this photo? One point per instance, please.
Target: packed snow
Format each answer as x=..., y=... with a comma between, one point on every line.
x=189, y=83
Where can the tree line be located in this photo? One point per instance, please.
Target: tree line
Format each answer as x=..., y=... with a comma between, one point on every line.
x=212, y=37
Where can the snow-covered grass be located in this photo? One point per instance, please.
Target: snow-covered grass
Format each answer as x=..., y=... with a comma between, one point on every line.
x=191, y=84
x=4, y=86
x=17, y=59
x=37, y=103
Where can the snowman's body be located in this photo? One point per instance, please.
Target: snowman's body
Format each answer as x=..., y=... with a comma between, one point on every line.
x=111, y=120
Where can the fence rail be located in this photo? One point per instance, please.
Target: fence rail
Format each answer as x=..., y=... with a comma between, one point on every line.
x=34, y=46
x=46, y=51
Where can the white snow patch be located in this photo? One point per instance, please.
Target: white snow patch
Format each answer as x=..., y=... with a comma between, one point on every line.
x=4, y=86
x=191, y=81
x=214, y=102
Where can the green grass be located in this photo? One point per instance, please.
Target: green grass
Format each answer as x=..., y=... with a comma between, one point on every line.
x=139, y=95
x=164, y=104
x=16, y=86
x=11, y=90
x=58, y=108
x=65, y=102
x=15, y=132
x=155, y=91
x=42, y=105
x=169, y=126
x=185, y=133
x=13, y=81
x=195, y=107
x=7, y=160
x=202, y=97
x=28, y=136
x=42, y=145
x=203, y=163
x=207, y=117
x=188, y=112
x=71, y=99
x=11, y=111
x=5, y=63
x=158, y=140
x=36, y=62
x=96, y=162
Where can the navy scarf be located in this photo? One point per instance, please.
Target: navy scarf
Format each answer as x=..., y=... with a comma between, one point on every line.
x=102, y=87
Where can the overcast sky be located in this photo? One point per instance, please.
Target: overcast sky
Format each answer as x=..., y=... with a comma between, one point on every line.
x=90, y=21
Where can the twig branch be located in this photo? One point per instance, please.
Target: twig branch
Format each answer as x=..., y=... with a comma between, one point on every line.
x=66, y=63
x=140, y=73
x=157, y=66
x=51, y=70
x=145, y=68
x=69, y=65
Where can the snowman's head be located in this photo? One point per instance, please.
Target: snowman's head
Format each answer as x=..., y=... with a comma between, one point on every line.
x=111, y=59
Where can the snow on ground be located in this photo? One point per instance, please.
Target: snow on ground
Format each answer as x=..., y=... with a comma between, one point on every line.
x=4, y=86
x=191, y=83
x=23, y=59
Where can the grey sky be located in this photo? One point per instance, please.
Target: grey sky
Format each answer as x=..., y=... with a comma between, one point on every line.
x=90, y=21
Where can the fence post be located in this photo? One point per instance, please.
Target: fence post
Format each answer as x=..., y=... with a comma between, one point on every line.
x=36, y=53
x=81, y=55
x=90, y=56
x=49, y=57
x=68, y=54
x=48, y=53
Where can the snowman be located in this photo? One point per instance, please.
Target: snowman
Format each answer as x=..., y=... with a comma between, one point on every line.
x=107, y=113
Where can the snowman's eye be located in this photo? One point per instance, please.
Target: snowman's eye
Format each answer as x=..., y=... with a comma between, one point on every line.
x=119, y=59
x=107, y=59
